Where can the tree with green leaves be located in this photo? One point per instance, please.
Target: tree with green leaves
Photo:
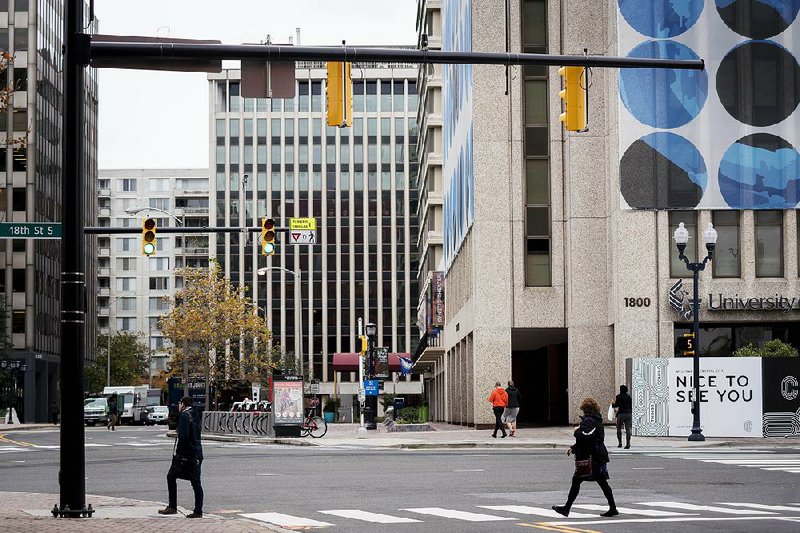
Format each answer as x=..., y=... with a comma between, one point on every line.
x=212, y=326
x=773, y=348
x=129, y=361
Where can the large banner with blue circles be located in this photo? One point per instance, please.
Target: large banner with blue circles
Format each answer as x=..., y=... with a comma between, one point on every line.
x=458, y=198
x=723, y=138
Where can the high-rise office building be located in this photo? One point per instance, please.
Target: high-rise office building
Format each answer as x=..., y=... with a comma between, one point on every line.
x=277, y=158
x=130, y=287
x=31, y=32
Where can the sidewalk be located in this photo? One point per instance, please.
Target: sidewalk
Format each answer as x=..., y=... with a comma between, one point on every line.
x=22, y=512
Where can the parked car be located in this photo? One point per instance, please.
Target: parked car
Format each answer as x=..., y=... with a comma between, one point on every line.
x=157, y=414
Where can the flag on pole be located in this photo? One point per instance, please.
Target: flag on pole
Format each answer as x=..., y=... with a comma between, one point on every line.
x=406, y=365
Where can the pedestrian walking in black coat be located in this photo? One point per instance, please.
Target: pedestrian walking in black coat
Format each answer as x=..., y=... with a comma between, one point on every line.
x=188, y=446
x=624, y=405
x=589, y=445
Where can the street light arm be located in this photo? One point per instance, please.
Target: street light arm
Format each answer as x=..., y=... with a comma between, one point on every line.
x=138, y=209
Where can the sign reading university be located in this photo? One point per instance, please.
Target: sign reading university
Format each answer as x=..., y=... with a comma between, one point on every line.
x=681, y=302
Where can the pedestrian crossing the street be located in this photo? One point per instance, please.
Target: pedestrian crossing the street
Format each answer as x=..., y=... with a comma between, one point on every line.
x=667, y=511
x=763, y=460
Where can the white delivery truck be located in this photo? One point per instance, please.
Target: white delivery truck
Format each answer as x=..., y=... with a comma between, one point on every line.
x=133, y=400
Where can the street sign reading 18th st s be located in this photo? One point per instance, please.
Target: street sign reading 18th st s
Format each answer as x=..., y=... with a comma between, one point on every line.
x=30, y=230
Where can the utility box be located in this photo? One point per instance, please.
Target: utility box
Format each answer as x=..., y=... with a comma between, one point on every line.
x=397, y=404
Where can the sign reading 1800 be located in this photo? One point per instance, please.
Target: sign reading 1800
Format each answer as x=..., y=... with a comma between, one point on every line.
x=30, y=230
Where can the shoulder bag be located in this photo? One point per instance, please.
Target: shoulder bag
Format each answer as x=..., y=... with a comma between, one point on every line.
x=183, y=466
x=583, y=468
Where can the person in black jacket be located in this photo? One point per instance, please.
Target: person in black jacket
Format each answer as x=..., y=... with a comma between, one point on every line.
x=188, y=446
x=589, y=444
x=624, y=405
x=512, y=410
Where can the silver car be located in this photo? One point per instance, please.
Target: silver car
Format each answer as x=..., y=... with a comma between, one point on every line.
x=157, y=414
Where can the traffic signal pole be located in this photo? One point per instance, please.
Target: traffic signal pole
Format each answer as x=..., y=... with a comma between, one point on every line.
x=72, y=474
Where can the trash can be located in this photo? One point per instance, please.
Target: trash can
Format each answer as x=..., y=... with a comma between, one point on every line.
x=398, y=403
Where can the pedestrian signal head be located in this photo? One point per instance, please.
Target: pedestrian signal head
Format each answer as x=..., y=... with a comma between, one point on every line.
x=148, y=237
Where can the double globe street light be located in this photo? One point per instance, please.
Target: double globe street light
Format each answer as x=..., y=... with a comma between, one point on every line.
x=681, y=237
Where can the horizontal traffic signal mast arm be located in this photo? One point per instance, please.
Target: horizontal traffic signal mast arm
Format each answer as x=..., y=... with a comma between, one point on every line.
x=103, y=53
x=107, y=230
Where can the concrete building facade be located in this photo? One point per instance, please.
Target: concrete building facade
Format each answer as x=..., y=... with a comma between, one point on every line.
x=131, y=287
x=30, y=191
x=550, y=279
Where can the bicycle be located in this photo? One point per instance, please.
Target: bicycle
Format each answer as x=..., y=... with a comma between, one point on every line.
x=313, y=425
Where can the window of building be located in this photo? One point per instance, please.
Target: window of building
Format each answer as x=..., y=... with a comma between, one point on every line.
x=158, y=263
x=18, y=321
x=537, y=158
x=769, y=244
x=126, y=324
x=126, y=244
x=726, y=262
x=126, y=263
x=159, y=284
x=18, y=280
x=128, y=185
x=158, y=304
x=158, y=184
x=677, y=268
x=18, y=198
x=126, y=304
x=126, y=284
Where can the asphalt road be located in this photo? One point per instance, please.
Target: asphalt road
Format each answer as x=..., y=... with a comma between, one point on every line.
x=357, y=489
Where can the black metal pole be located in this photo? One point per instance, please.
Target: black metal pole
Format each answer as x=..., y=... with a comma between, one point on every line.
x=71, y=476
x=10, y=394
x=107, y=53
x=697, y=431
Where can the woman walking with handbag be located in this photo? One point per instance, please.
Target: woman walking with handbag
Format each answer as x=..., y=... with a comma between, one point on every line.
x=187, y=460
x=591, y=458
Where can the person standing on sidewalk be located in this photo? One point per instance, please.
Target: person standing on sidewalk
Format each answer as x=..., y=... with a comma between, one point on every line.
x=511, y=412
x=589, y=445
x=624, y=405
x=188, y=445
x=499, y=400
x=113, y=412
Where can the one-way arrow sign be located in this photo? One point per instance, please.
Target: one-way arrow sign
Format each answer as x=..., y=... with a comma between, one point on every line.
x=302, y=237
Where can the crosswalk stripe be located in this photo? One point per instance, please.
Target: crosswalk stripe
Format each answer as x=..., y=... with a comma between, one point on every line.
x=138, y=444
x=95, y=445
x=629, y=510
x=460, y=515
x=47, y=447
x=11, y=449
x=370, y=517
x=791, y=470
x=525, y=509
x=693, y=507
x=285, y=520
x=764, y=507
x=753, y=461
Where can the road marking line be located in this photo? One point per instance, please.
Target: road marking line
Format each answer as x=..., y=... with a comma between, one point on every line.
x=764, y=507
x=371, y=517
x=628, y=510
x=676, y=519
x=285, y=520
x=693, y=507
x=563, y=529
x=47, y=447
x=753, y=461
x=470, y=470
x=3, y=438
x=648, y=468
x=460, y=515
x=138, y=444
x=96, y=445
x=525, y=509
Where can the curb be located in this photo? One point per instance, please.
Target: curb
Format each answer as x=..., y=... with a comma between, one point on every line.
x=11, y=428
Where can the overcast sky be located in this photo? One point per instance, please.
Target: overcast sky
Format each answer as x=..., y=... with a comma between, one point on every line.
x=160, y=119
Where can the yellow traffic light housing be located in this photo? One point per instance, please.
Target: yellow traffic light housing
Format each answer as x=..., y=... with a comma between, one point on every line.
x=361, y=344
x=148, y=237
x=339, y=91
x=574, y=96
x=268, y=236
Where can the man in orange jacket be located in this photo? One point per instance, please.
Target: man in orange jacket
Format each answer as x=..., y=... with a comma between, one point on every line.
x=499, y=399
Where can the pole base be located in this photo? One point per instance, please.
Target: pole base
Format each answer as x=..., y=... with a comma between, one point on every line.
x=361, y=433
x=66, y=512
x=697, y=436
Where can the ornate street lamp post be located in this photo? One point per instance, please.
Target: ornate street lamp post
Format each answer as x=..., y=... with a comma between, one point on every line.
x=681, y=237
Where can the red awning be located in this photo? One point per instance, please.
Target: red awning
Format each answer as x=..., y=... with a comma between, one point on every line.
x=348, y=361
